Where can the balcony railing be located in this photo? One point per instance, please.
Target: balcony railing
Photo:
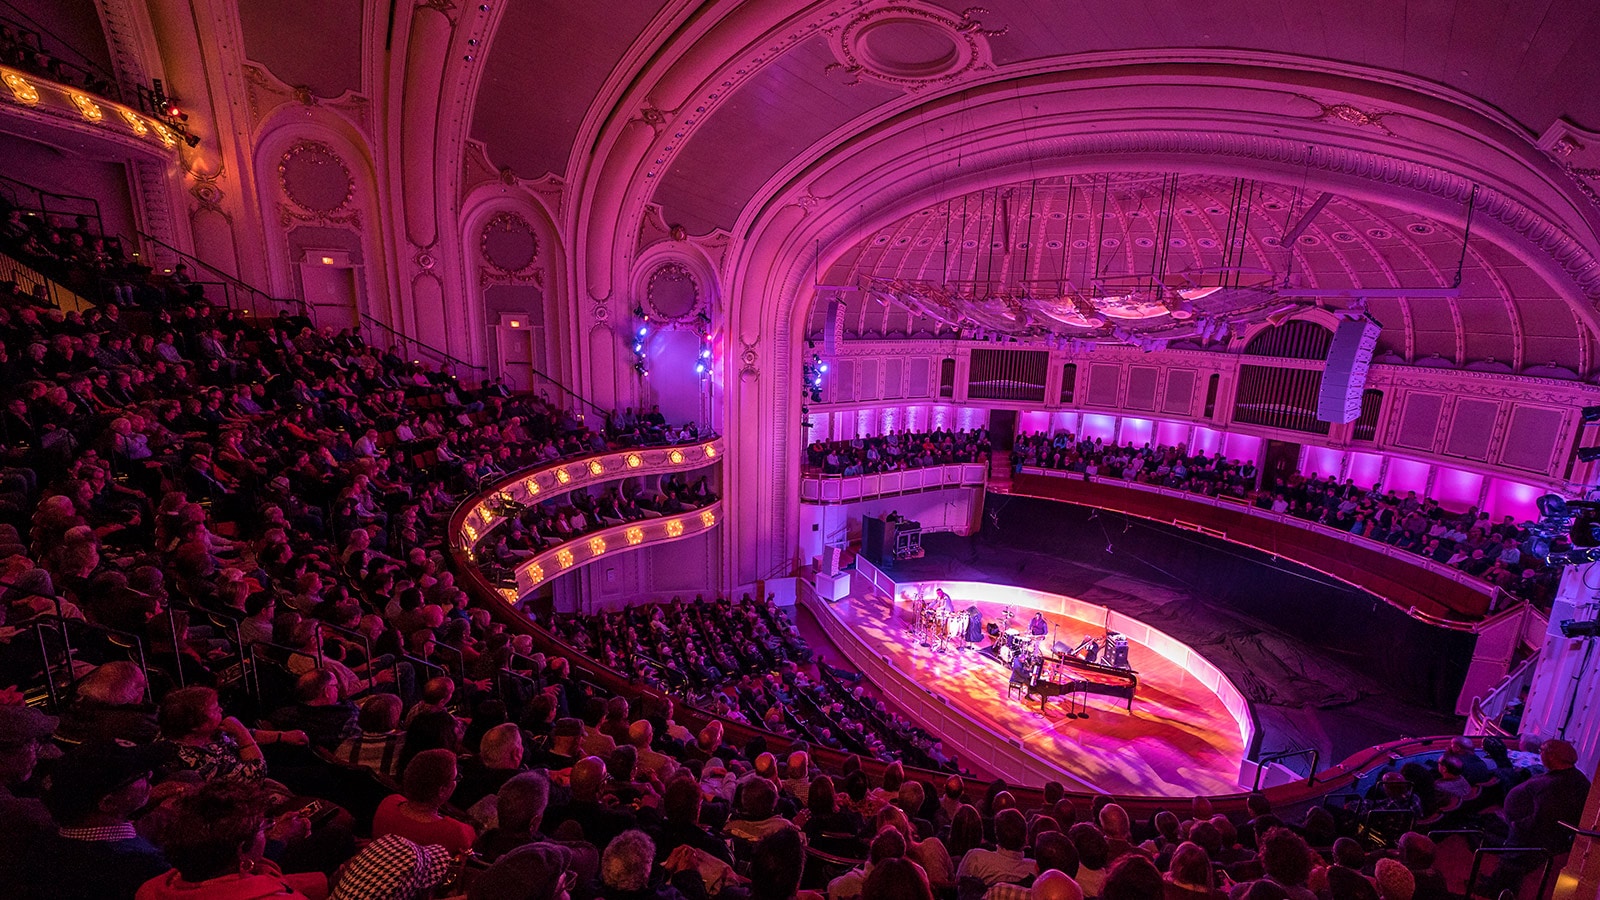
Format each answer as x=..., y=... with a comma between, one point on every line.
x=842, y=489
x=1470, y=598
x=585, y=549
x=536, y=485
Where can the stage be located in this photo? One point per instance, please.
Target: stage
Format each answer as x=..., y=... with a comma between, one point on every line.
x=1188, y=732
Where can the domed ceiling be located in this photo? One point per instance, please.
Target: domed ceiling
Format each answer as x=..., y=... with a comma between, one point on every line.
x=1161, y=258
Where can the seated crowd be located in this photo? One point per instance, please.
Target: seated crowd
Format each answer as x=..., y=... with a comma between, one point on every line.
x=23, y=48
x=1468, y=541
x=222, y=567
x=746, y=662
x=898, y=450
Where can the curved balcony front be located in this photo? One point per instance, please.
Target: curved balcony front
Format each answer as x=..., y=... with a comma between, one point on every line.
x=848, y=489
x=480, y=514
x=1418, y=586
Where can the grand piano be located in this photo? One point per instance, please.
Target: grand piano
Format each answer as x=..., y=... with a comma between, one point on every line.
x=1063, y=675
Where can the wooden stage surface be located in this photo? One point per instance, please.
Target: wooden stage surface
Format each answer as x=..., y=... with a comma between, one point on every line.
x=1178, y=739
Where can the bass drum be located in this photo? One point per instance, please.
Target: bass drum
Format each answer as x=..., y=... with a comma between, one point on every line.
x=1007, y=652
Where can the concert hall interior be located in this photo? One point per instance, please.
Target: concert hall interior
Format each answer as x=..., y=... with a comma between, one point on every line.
x=774, y=449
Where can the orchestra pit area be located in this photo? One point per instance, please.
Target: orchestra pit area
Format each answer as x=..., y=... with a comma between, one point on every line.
x=764, y=450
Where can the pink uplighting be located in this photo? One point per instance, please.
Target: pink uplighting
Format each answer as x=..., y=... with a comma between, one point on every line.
x=1365, y=469
x=1512, y=498
x=1242, y=446
x=1171, y=434
x=1406, y=475
x=1136, y=431
x=1321, y=462
x=1102, y=427
x=1206, y=440
x=1456, y=489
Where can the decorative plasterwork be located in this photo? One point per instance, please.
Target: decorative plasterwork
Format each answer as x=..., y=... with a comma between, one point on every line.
x=911, y=45
x=673, y=294
x=311, y=176
x=265, y=93
x=1349, y=114
x=509, y=251
x=1577, y=152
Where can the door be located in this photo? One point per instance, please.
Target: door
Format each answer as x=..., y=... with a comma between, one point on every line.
x=1002, y=428
x=1282, y=461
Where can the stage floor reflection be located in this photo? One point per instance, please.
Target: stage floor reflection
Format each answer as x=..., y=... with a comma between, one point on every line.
x=1180, y=737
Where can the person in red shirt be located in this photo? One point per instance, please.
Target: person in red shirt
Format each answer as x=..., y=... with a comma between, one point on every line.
x=429, y=780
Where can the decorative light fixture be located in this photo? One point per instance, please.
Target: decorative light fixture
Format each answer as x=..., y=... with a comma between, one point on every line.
x=134, y=122
x=20, y=88
x=531, y=486
x=90, y=109
x=674, y=528
x=634, y=535
x=564, y=557
x=536, y=573
x=595, y=468
x=635, y=460
x=708, y=518
x=676, y=457
x=563, y=476
x=597, y=545
x=711, y=451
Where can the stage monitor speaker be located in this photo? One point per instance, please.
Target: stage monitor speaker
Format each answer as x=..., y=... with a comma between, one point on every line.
x=1344, y=376
x=833, y=333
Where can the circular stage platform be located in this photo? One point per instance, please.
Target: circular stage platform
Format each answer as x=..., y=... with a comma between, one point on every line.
x=1188, y=730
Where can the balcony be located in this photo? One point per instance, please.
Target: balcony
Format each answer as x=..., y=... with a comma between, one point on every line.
x=829, y=489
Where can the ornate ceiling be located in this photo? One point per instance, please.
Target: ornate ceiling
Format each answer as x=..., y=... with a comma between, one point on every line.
x=1193, y=259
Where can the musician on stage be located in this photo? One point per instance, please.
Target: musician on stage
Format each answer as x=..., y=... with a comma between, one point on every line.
x=947, y=606
x=1091, y=653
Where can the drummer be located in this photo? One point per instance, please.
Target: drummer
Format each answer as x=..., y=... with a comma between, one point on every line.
x=947, y=606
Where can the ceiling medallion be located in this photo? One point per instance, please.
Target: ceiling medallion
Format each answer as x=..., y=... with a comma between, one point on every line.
x=911, y=45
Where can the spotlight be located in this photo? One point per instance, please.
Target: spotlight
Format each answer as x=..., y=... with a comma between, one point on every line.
x=700, y=368
x=823, y=367
x=1588, y=454
x=644, y=330
x=1574, y=628
x=1591, y=415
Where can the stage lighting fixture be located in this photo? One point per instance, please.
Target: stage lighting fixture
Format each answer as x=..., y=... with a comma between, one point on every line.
x=1575, y=628
x=1588, y=454
x=1591, y=414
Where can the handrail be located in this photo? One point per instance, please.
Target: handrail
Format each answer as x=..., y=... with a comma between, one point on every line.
x=1279, y=756
x=87, y=66
x=402, y=339
x=99, y=221
x=229, y=279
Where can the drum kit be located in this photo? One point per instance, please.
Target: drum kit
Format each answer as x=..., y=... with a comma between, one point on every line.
x=932, y=627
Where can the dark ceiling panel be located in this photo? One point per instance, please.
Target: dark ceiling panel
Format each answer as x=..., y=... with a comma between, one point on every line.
x=315, y=44
x=546, y=66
